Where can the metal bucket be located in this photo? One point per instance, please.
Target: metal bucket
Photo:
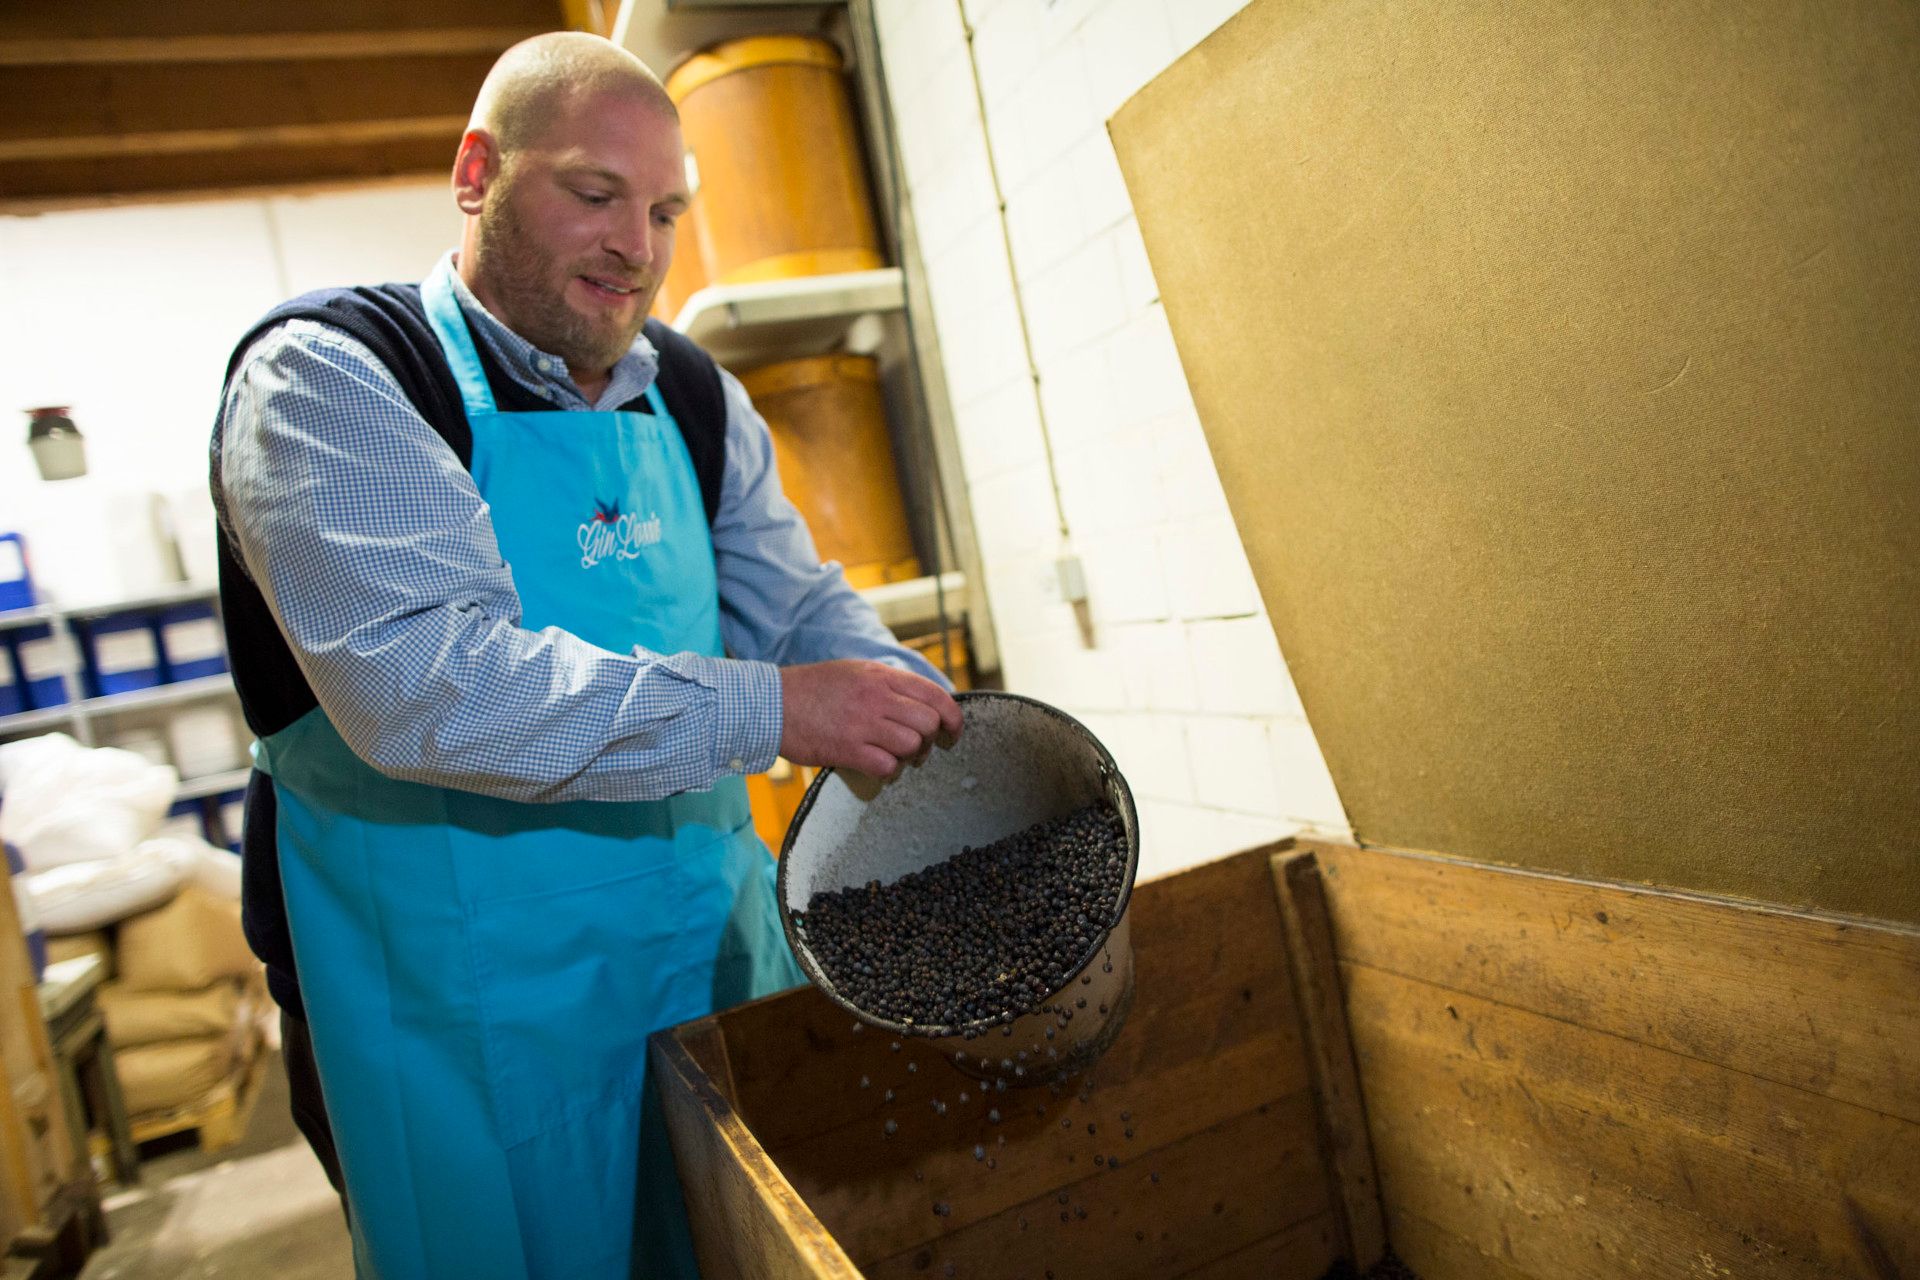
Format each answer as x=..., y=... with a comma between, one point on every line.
x=1018, y=762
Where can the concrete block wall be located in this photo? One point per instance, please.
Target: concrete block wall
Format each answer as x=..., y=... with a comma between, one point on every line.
x=1183, y=681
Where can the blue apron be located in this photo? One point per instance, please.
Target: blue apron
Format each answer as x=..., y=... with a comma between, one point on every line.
x=481, y=975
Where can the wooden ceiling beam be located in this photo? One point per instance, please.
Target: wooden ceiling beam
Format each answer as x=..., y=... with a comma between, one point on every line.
x=52, y=103
x=118, y=99
x=107, y=51
x=113, y=19
x=263, y=137
x=29, y=185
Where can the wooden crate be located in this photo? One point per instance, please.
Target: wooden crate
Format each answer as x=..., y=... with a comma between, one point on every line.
x=49, y=1204
x=1559, y=1080
x=788, y=1172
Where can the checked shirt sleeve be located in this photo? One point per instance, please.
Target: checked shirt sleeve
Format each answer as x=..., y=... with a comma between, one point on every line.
x=375, y=551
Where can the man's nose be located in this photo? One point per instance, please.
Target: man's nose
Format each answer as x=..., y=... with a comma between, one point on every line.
x=629, y=240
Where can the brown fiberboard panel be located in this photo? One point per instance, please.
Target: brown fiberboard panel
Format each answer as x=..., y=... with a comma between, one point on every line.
x=1562, y=367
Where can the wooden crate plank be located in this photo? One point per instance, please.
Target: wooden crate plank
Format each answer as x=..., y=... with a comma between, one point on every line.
x=1435, y=1253
x=1209, y=973
x=1830, y=1006
x=1304, y=1251
x=754, y=1226
x=1577, y=1153
x=708, y=1049
x=861, y=1183
x=1219, y=1191
x=1336, y=1081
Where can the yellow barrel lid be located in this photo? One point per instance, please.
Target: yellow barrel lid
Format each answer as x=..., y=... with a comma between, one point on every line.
x=748, y=53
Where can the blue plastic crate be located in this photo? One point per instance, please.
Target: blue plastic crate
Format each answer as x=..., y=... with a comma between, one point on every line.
x=119, y=652
x=11, y=698
x=43, y=661
x=191, y=642
x=16, y=581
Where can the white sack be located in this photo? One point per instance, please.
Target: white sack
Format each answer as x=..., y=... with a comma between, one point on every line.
x=91, y=895
x=217, y=871
x=65, y=803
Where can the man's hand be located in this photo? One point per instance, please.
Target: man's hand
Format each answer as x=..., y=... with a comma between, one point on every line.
x=862, y=715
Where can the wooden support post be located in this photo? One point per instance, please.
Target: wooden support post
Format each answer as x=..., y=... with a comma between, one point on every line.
x=1336, y=1080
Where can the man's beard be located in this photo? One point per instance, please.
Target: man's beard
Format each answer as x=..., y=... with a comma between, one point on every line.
x=519, y=274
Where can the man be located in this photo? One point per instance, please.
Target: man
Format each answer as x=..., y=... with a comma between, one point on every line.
x=484, y=546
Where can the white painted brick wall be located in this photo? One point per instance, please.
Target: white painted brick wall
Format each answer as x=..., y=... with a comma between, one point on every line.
x=1125, y=43
x=1013, y=513
x=1099, y=186
x=1232, y=764
x=1026, y=591
x=1043, y=221
x=1076, y=390
x=1075, y=302
x=999, y=429
x=1110, y=486
x=1306, y=788
x=1184, y=682
x=1187, y=474
x=1208, y=567
x=1157, y=661
x=1126, y=581
x=1238, y=671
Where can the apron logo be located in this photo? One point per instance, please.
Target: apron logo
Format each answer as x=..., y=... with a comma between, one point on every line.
x=610, y=534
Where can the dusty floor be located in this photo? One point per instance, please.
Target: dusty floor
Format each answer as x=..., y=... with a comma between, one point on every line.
x=259, y=1209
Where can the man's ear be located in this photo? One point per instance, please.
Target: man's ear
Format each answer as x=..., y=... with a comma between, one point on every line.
x=475, y=166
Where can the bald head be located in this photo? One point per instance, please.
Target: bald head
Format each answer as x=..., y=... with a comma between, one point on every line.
x=538, y=81
x=572, y=175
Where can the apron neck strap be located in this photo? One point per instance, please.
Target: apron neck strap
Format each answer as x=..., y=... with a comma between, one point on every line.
x=655, y=403
x=456, y=341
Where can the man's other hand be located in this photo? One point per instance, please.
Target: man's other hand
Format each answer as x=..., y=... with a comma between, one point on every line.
x=862, y=715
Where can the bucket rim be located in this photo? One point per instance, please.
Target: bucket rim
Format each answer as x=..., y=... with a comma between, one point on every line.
x=1109, y=772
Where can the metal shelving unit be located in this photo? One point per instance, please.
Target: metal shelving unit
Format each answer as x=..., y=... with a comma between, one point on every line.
x=213, y=784
x=768, y=321
x=748, y=324
x=915, y=603
x=79, y=713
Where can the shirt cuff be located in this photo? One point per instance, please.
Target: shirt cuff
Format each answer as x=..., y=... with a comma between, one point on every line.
x=747, y=737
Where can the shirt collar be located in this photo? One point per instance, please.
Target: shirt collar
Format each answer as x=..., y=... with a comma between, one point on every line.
x=542, y=373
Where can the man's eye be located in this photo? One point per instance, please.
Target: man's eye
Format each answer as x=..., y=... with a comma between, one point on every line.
x=664, y=218
x=593, y=197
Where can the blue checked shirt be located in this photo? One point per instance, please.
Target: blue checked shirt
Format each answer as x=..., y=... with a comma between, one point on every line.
x=375, y=551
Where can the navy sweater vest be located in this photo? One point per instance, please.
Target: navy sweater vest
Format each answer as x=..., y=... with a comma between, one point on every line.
x=391, y=322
